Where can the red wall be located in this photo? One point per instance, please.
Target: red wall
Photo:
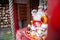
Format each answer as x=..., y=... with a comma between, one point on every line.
x=54, y=20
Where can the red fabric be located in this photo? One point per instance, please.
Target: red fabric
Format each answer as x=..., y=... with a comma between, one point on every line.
x=20, y=37
x=23, y=38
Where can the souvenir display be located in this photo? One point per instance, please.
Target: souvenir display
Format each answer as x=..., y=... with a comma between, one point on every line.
x=4, y=17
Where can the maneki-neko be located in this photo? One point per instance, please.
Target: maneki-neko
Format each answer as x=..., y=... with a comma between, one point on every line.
x=38, y=27
x=39, y=16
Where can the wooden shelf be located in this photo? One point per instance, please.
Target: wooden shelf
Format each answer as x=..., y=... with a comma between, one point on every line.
x=22, y=11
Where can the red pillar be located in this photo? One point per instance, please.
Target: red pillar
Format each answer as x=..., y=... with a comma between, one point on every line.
x=54, y=20
x=15, y=16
